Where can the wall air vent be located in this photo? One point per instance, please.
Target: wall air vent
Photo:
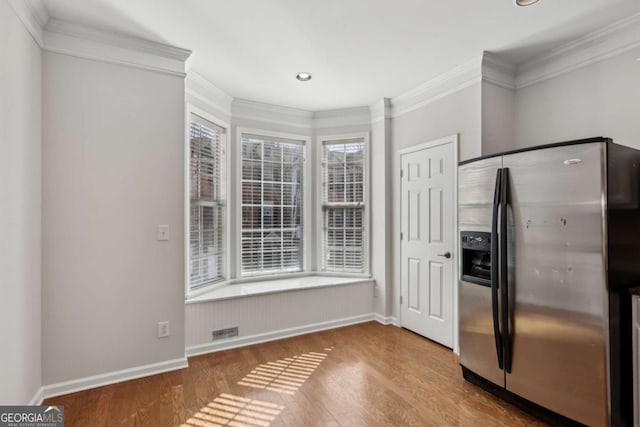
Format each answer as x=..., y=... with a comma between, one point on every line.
x=224, y=333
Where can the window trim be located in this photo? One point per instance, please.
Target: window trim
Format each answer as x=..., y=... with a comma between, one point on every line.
x=366, y=235
x=189, y=110
x=307, y=207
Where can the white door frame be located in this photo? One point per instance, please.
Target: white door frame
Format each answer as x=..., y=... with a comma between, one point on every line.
x=451, y=139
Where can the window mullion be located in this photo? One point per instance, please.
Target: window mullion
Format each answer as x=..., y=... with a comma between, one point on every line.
x=344, y=240
x=344, y=175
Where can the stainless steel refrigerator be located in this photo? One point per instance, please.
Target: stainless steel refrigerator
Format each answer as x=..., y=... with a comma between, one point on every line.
x=550, y=244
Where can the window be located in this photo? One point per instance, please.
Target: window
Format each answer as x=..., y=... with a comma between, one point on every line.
x=207, y=222
x=272, y=179
x=343, y=205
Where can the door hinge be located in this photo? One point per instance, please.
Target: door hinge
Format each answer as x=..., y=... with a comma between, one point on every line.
x=400, y=299
x=401, y=235
x=401, y=173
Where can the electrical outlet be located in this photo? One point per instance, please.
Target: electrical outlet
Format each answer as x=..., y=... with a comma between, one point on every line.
x=163, y=329
x=376, y=290
x=163, y=233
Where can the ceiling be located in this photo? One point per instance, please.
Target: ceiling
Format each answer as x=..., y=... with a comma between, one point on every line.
x=358, y=51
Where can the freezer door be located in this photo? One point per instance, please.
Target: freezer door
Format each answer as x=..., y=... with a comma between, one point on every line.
x=476, y=182
x=557, y=291
x=477, y=341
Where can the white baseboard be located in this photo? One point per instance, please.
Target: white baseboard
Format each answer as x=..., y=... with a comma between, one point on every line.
x=86, y=383
x=388, y=320
x=37, y=398
x=276, y=335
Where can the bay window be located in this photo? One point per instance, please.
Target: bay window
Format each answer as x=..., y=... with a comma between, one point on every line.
x=273, y=206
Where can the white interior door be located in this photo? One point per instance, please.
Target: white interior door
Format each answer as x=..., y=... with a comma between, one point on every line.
x=428, y=241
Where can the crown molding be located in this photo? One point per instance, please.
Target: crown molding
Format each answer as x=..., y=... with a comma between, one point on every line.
x=200, y=88
x=89, y=43
x=458, y=78
x=380, y=110
x=34, y=16
x=269, y=113
x=609, y=41
x=498, y=71
x=245, y=109
x=342, y=117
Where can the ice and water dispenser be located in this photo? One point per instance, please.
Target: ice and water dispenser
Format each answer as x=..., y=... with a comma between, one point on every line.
x=476, y=257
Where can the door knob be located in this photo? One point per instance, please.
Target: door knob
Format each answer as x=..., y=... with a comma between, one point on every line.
x=446, y=254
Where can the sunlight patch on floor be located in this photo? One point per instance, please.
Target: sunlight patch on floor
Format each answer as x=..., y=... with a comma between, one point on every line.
x=235, y=411
x=284, y=375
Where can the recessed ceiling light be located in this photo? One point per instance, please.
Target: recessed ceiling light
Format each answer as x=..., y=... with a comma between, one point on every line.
x=525, y=2
x=303, y=77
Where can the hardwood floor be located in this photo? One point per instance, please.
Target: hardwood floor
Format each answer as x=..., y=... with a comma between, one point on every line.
x=362, y=375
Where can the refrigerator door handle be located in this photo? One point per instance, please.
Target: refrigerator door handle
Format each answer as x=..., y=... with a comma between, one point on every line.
x=504, y=269
x=495, y=263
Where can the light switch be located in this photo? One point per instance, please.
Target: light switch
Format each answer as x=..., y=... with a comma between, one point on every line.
x=163, y=233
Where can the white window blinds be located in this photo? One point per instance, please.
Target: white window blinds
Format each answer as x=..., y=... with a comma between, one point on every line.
x=343, y=204
x=207, y=204
x=272, y=177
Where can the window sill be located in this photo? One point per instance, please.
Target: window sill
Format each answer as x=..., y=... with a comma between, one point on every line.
x=270, y=286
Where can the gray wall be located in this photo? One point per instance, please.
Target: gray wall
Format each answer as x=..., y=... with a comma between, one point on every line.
x=601, y=99
x=20, y=210
x=455, y=113
x=112, y=171
x=498, y=118
x=381, y=261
